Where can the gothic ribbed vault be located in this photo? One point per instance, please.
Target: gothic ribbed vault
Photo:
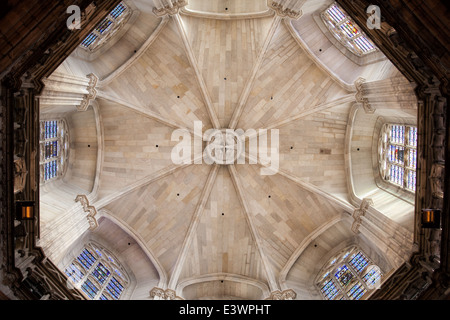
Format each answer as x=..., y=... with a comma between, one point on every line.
x=226, y=231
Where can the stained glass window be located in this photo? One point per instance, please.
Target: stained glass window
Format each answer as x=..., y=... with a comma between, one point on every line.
x=349, y=275
x=53, y=149
x=347, y=31
x=97, y=273
x=106, y=27
x=398, y=155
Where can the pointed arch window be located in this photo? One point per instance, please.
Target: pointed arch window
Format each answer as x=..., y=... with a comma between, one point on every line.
x=98, y=274
x=107, y=27
x=347, y=31
x=54, y=149
x=398, y=155
x=349, y=275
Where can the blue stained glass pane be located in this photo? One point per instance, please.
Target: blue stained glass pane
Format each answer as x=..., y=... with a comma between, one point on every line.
x=89, y=288
x=104, y=26
x=329, y=290
x=74, y=273
x=336, y=13
x=396, y=174
x=412, y=137
x=103, y=297
x=356, y=291
x=359, y=262
x=411, y=180
x=372, y=277
x=86, y=259
x=101, y=273
x=89, y=40
x=343, y=275
x=412, y=158
x=350, y=29
x=118, y=10
x=397, y=154
x=114, y=288
x=364, y=44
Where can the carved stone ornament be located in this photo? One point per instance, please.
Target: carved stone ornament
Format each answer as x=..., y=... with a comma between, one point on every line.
x=92, y=92
x=288, y=294
x=170, y=10
x=359, y=96
x=284, y=12
x=360, y=212
x=162, y=294
x=93, y=224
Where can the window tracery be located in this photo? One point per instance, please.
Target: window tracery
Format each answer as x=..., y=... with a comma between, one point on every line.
x=349, y=275
x=398, y=155
x=347, y=31
x=98, y=273
x=54, y=149
x=107, y=27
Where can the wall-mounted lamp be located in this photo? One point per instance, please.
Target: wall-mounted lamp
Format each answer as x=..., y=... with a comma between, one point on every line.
x=431, y=218
x=24, y=210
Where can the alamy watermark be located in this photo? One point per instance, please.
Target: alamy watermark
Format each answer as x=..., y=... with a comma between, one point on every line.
x=374, y=20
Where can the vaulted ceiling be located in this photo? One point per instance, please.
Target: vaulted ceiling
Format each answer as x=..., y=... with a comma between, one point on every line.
x=224, y=231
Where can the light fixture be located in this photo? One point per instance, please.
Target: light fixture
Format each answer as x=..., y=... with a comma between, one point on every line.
x=24, y=210
x=431, y=218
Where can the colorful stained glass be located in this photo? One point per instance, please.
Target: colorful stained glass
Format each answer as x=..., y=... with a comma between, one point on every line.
x=329, y=290
x=87, y=259
x=396, y=174
x=100, y=273
x=396, y=154
x=372, y=277
x=412, y=158
x=104, y=26
x=343, y=275
x=50, y=129
x=356, y=291
x=398, y=134
x=51, y=149
x=118, y=10
x=412, y=137
x=336, y=13
x=350, y=29
x=114, y=288
x=50, y=170
x=364, y=44
x=89, y=40
x=74, y=273
x=411, y=180
x=359, y=262
x=89, y=288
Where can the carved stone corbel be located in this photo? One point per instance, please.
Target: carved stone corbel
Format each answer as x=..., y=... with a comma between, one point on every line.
x=360, y=212
x=360, y=96
x=284, y=12
x=288, y=294
x=93, y=80
x=170, y=9
x=93, y=224
x=162, y=294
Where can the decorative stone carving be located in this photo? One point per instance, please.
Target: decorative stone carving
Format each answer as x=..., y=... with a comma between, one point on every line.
x=65, y=91
x=93, y=224
x=93, y=79
x=360, y=96
x=162, y=294
x=360, y=212
x=170, y=9
x=288, y=294
x=284, y=12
